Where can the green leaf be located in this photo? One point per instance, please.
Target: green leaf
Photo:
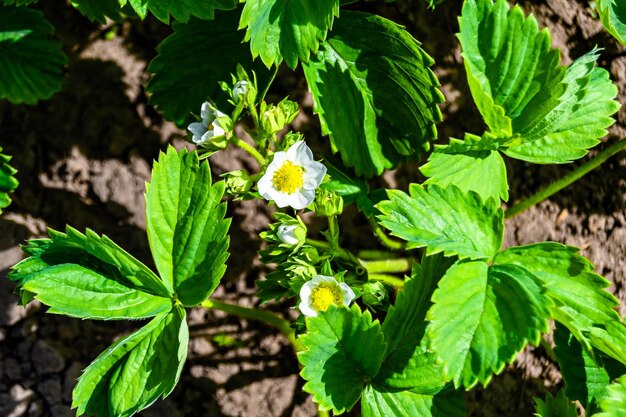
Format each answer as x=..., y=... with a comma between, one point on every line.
x=287, y=29
x=181, y=10
x=614, y=405
x=611, y=340
x=374, y=92
x=344, y=182
x=482, y=171
x=343, y=351
x=521, y=90
x=19, y=2
x=579, y=295
x=193, y=60
x=136, y=370
x=558, y=406
x=8, y=183
x=98, y=10
x=32, y=63
x=444, y=220
x=408, y=364
x=483, y=317
x=613, y=17
x=187, y=231
x=76, y=291
x=98, y=254
x=585, y=376
x=406, y=403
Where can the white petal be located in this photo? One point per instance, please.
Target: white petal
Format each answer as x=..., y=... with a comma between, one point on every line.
x=286, y=234
x=318, y=279
x=206, y=111
x=314, y=173
x=306, y=309
x=265, y=185
x=302, y=198
x=300, y=153
x=348, y=294
x=217, y=130
x=278, y=161
x=198, y=129
x=282, y=199
x=307, y=289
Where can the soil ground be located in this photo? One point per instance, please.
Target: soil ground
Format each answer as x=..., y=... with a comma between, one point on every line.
x=84, y=156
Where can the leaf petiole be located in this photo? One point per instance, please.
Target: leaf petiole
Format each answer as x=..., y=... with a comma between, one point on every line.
x=250, y=149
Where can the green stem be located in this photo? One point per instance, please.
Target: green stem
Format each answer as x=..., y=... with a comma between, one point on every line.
x=322, y=413
x=333, y=230
x=573, y=176
x=387, y=279
x=327, y=247
x=387, y=266
x=390, y=243
x=266, y=317
x=250, y=149
x=373, y=254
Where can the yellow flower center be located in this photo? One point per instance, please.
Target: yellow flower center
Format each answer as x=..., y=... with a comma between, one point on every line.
x=288, y=178
x=323, y=296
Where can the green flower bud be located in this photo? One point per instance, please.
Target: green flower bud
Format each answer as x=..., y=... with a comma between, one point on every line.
x=291, y=233
x=275, y=118
x=327, y=203
x=375, y=295
x=237, y=182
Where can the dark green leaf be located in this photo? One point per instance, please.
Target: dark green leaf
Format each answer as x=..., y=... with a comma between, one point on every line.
x=287, y=29
x=193, y=60
x=579, y=295
x=483, y=317
x=613, y=17
x=187, y=231
x=558, y=406
x=406, y=403
x=8, y=183
x=31, y=62
x=136, y=370
x=98, y=10
x=374, y=92
x=19, y=2
x=444, y=220
x=614, y=405
x=181, y=10
x=343, y=351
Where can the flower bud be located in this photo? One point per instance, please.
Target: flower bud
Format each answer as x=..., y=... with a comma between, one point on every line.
x=327, y=203
x=291, y=233
x=375, y=295
x=237, y=182
x=240, y=89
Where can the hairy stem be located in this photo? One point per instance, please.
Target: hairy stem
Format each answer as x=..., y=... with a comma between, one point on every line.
x=387, y=265
x=266, y=317
x=390, y=243
x=387, y=279
x=250, y=149
x=570, y=178
x=327, y=247
x=373, y=254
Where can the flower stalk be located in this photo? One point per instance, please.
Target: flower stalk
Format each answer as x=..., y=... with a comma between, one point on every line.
x=250, y=149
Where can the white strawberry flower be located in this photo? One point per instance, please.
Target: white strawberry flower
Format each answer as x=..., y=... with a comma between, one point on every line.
x=292, y=177
x=210, y=126
x=319, y=293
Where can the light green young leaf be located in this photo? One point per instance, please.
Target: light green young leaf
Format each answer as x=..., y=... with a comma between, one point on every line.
x=343, y=352
x=522, y=91
x=187, y=231
x=408, y=364
x=99, y=254
x=386, y=109
x=31, y=62
x=77, y=291
x=611, y=340
x=136, y=370
x=98, y=10
x=193, y=60
x=8, y=183
x=614, y=405
x=585, y=376
x=483, y=317
x=181, y=10
x=558, y=406
x=479, y=170
x=579, y=295
x=444, y=220
x=613, y=17
x=287, y=29
x=406, y=403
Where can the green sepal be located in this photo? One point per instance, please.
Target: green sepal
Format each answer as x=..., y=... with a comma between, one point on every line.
x=444, y=220
x=343, y=351
x=136, y=370
x=187, y=231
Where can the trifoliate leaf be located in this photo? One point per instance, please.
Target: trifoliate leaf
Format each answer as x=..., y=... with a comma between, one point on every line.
x=181, y=10
x=136, y=370
x=187, y=231
x=193, y=60
x=99, y=254
x=611, y=339
x=375, y=93
x=408, y=364
x=31, y=61
x=98, y=10
x=585, y=376
x=613, y=17
x=579, y=295
x=614, y=405
x=444, y=220
x=558, y=406
x=343, y=352
x=482, y=171
x=483, y=317
x=287, y=29
x=406, y=403
x=8, y=183
x=521, y=90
